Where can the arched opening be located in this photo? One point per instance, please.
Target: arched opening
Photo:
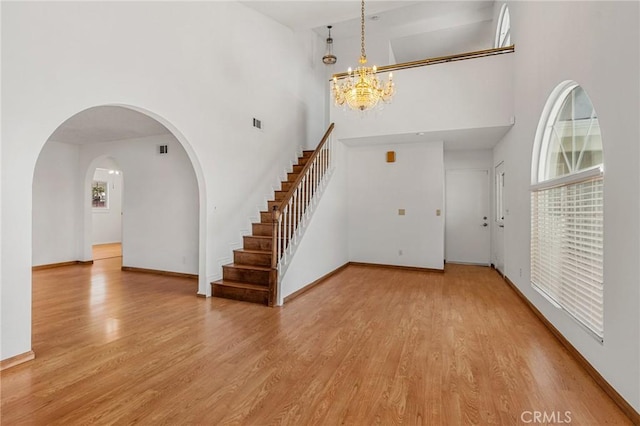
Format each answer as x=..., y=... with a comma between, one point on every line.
x=162, y=201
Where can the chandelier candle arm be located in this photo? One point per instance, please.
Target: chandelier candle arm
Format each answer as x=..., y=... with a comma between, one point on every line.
x=362, y=90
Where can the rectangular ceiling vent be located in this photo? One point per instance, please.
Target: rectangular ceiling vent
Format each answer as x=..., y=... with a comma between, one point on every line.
x=163, y=149
x=257, y=123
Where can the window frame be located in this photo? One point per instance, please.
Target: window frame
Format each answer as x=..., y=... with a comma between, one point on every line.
x=100, y=184
x=571, y=181
x=504, y=13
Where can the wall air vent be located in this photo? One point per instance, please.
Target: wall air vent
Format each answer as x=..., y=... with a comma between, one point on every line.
x=257, y=123
x=163, y=149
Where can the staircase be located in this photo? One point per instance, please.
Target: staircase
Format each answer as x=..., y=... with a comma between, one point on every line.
x=251, y=276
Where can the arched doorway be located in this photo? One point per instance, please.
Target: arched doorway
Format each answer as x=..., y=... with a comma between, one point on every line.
x=162, y=206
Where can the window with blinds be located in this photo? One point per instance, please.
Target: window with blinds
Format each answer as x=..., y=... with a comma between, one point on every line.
x=567, y=214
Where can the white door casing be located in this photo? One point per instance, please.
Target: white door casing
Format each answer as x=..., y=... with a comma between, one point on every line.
x=499, y=218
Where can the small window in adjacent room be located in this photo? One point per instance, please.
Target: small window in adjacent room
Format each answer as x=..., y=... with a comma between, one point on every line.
x=503, y=30
x=567, y=207
x=99, y=195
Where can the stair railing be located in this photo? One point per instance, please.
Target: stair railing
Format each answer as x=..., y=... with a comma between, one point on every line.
x=294, y=211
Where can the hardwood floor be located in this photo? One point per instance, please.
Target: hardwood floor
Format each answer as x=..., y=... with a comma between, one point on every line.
x=105, y=251
x=368, y=346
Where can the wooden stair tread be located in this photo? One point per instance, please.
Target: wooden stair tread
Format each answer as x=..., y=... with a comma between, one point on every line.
x=243, y=285
x=252, y=251
x=250, y=267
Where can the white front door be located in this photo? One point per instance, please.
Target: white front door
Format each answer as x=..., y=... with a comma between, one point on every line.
x=499, y=219
x=467, y=237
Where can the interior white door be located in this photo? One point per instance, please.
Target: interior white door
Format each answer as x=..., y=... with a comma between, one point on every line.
x=467, y=237
x=499, y=219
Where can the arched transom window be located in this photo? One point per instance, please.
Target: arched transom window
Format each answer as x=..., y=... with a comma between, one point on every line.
x=567, y=202
x=503, y=30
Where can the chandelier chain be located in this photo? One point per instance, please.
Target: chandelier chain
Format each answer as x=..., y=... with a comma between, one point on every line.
x=363, y=55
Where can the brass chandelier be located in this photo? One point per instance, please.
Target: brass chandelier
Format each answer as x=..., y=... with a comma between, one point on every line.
x=362, y=90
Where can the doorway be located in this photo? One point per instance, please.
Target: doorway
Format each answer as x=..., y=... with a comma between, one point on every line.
x=106, y=210
x=467, y=237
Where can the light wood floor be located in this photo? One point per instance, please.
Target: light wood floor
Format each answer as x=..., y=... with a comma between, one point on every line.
x=369, y=346
x=105, y=251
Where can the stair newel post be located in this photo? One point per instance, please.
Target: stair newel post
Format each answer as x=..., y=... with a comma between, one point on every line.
x=273, y=274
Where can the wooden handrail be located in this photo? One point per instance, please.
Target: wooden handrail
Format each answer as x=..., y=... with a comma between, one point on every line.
x=439, y=60
x=306, y=167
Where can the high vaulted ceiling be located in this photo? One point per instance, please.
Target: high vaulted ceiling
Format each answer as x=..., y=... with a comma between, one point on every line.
x=416, y=29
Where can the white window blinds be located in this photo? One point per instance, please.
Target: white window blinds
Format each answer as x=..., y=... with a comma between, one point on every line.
x=567, y=248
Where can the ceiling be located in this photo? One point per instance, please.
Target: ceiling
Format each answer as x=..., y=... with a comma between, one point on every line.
x=304, y=15
x=105, y=124
x=415, y=29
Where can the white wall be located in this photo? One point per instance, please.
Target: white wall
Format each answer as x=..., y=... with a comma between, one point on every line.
x=190, y=64
x=377, y=190
x=107, y=223
x=601, y=51
x=55, y=199
x=459, y=95
x=468, y=159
